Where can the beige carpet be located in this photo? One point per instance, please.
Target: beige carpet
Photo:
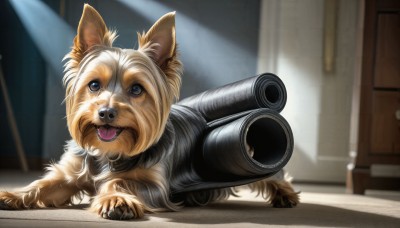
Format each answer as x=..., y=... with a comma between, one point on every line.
x=322, y=206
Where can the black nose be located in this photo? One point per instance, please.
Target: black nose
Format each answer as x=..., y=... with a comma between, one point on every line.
x=107, y=115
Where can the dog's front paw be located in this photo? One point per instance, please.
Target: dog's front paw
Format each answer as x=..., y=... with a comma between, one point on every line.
x=120, y=212
x=118, y=207
x=286, y=201
x=9, y=201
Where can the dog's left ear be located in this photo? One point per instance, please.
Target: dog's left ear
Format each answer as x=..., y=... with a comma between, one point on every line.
x=160, y=45
x=161, y=38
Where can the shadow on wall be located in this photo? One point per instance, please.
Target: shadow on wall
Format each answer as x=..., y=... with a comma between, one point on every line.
x=24, y=74
x=218, y=40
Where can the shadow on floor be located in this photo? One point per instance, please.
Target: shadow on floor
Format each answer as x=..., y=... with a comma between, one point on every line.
x=259, y=213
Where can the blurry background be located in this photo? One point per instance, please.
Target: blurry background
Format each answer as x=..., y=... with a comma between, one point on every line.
x=220, y=42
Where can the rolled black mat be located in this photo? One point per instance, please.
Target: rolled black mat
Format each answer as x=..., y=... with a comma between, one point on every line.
x=256, y=144
x=263, y=91
x=239, y=150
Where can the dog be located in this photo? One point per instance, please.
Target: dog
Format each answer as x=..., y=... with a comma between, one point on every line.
x=118, y=104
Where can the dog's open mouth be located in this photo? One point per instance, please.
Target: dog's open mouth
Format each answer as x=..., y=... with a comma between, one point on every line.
x=108, y=133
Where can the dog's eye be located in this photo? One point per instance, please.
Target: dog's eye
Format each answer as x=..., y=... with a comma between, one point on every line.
x=136, y=90
x=94, y=85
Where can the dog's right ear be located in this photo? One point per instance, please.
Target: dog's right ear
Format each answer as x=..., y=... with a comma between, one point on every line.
x=92, y=31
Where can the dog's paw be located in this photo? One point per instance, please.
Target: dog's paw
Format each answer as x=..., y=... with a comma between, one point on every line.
x=5, y=205
x=121, y=212
x=286, y=201
x=9, y=201
x=117, y=207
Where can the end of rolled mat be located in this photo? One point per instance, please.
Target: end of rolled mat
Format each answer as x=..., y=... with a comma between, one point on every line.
x=270, y=92
x=227, y=148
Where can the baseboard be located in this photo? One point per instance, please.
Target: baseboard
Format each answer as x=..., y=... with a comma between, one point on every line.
x=13, y=163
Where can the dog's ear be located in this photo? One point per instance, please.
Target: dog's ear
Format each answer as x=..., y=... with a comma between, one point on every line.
x=92, y=31
x=160, y=45
x=161, y=39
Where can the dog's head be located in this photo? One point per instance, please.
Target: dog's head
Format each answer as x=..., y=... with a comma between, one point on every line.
x=118, y=100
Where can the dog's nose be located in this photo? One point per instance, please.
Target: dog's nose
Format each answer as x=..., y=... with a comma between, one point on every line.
x=107, y=115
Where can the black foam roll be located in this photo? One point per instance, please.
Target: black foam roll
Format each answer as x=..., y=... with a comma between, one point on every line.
x=263, y=91
x=258, y=143
x=235, y=150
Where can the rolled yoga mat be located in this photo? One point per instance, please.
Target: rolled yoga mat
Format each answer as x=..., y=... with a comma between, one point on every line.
x=238, y=150
x=263, y=91
x=258, y=143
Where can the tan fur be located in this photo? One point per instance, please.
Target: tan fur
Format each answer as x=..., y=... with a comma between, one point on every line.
x=55, y=189
x=112, y=194
x=142, y=120
x=278, y=193
x=156, y=101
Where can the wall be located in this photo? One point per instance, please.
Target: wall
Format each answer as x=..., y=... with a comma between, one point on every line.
x=24, y=73
x=319, y=104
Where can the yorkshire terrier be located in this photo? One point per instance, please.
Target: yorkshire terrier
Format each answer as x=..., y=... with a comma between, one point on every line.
x=118, y=103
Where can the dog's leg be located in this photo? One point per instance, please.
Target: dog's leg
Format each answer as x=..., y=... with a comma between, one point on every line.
x=55, y=189
x=116, y=200
x=277, y=190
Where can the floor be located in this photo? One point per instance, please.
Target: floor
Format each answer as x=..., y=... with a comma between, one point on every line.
x=322, y=206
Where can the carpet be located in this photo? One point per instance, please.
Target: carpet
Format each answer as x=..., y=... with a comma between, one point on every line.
x=321, y=206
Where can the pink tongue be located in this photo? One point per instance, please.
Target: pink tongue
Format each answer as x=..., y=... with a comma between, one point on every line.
x=107, y=133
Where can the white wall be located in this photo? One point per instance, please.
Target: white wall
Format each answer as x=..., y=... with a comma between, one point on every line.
x=319, y=104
